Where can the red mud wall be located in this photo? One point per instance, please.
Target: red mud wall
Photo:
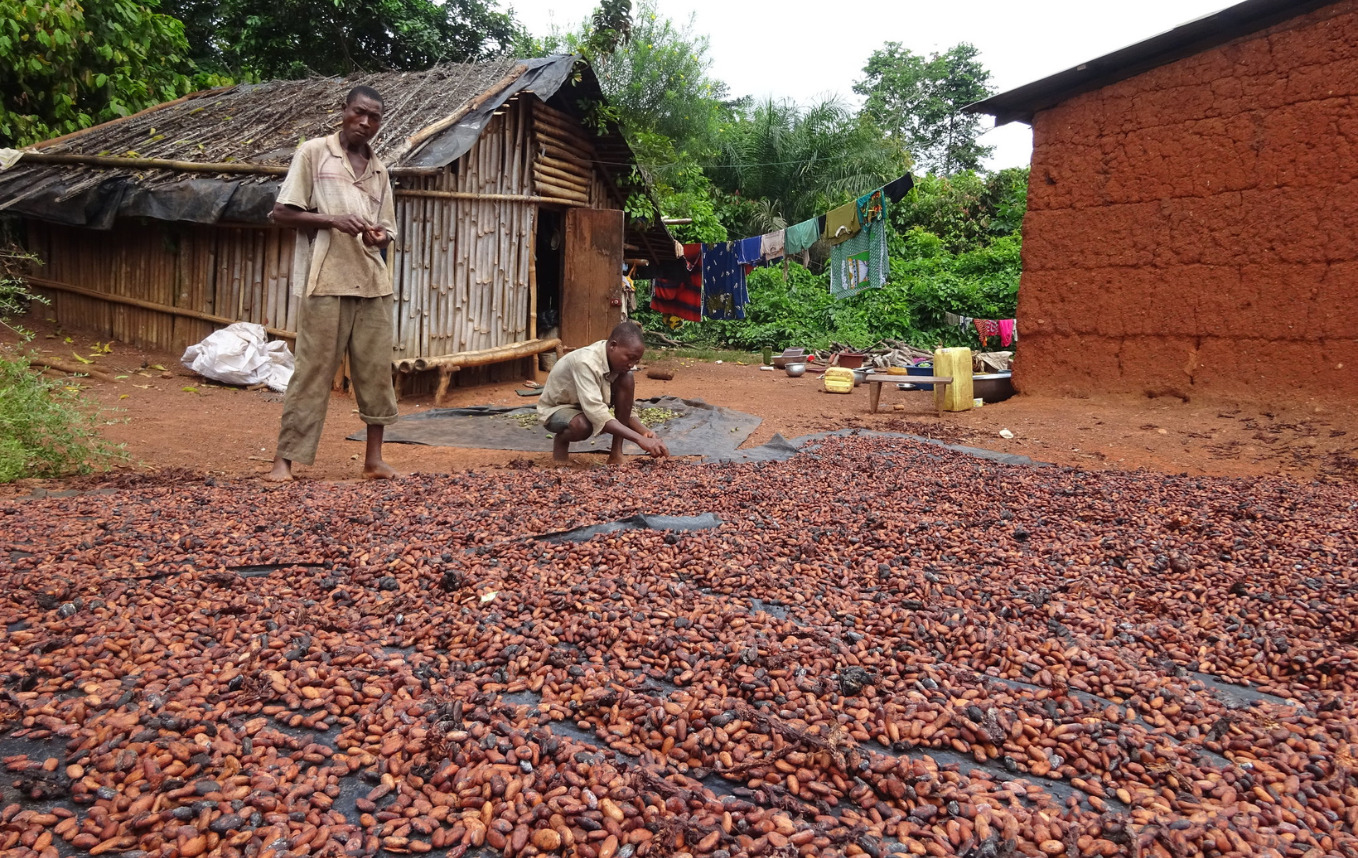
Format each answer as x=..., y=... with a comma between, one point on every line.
x=1193, y=230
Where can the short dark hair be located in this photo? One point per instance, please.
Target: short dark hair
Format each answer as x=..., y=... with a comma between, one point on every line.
x=627, y=334
x=366, y=92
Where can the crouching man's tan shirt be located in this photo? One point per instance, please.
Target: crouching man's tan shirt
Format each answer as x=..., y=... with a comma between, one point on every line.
x=582, y=380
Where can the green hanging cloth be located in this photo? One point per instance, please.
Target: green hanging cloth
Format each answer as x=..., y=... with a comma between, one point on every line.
x=859, y=263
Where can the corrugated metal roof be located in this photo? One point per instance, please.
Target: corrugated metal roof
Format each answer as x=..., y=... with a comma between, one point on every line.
x=1196, y=36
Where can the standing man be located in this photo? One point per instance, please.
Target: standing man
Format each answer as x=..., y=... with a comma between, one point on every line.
x=338, y=196
x=581, y=387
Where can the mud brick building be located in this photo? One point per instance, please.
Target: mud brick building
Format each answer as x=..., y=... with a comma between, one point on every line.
x=1192, y=225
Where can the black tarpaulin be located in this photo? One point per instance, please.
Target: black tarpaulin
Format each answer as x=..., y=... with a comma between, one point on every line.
x=699, y=429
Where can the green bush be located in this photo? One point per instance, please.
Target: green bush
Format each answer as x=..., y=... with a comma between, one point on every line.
x=926, y=281
x=45, y=428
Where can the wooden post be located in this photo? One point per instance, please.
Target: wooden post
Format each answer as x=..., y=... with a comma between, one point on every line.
x=445, y=376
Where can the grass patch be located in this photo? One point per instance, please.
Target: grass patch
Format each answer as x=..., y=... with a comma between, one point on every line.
x=46, y=429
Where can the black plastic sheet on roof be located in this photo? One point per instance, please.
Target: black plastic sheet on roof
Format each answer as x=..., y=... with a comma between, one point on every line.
x=543, y=77
x=191, y=201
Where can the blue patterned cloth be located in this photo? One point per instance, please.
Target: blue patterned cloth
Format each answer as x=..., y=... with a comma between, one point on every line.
x=724, y=292
x=749, y=251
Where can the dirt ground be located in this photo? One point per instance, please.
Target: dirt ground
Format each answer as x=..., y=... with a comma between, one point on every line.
x=167, y=417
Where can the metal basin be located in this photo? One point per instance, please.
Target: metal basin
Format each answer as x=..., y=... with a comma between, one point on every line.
x=992, y=386
x=795, y=370
x=790, y=356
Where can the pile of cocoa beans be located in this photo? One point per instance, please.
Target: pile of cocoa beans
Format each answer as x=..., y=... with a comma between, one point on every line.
x=885, y=648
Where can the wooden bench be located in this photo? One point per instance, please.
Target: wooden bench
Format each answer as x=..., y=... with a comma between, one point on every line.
x=877, y=379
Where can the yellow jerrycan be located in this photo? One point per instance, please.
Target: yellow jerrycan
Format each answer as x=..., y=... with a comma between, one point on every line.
x=954, y=364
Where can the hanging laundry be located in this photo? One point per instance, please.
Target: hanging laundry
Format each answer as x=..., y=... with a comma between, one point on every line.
x=896, y=191
x=952, y=319
x=842, y=224
x=800, y=237
x=748, y=251
x=871, y=207
x=986, y=328
x=859, y=263
x=724, y=291
x=1008, y=331
x=677, y=290
x=771, y=245
x=629, y=297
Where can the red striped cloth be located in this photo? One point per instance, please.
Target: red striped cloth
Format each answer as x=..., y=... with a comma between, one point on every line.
x=680, y=293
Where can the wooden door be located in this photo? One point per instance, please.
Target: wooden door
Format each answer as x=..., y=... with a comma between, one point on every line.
x=591, y=285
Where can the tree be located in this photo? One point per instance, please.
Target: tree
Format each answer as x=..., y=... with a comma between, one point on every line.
x=790, y=163
x=919, y=101
x=656, y=80
x=65, y=65
x=263, y=39
x=654, y=75
x=610, y=28
x=966, y=211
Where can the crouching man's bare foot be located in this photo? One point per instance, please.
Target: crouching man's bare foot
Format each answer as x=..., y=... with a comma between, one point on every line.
x=281, y=472
x=561, y=451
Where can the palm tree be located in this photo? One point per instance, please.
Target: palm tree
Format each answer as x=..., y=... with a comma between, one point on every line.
x=796, y=163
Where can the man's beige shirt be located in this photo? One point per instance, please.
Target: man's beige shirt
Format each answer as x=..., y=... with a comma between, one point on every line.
x=322, y=180
x=580, y=380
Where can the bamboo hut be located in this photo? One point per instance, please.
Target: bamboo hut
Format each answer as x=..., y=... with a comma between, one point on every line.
x=509, y=196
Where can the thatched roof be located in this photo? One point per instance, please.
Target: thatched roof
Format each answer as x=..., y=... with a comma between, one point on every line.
x=263, y=123
x=221, y=154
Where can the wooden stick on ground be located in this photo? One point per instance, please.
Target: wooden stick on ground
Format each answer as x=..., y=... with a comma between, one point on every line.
x=70, y=368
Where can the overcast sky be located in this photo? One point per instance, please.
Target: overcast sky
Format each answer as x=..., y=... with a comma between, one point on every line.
x=764, y=49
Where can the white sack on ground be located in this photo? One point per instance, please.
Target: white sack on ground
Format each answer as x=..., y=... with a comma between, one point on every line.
x=241, y=354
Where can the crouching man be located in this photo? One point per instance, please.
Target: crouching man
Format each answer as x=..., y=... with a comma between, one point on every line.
x=583, y=384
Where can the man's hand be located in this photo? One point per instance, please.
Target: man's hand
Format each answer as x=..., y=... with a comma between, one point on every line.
x=351, y=224
x=653, y=445
x=375, y=237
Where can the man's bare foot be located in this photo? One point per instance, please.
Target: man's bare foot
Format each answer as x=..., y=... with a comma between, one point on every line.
x=616, y=458
x=378, y=470
x=281, y=472
x=561, y=451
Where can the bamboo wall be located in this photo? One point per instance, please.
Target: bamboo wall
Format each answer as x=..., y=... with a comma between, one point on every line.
x=228, y=273
x=462, y=272
x=564, y=164
x=462, y=269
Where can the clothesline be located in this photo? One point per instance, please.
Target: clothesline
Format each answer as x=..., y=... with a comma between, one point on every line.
x=1005, y=329
x=707, y=281
x=723, y=166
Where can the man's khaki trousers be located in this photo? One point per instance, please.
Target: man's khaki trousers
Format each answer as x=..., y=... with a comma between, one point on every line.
x=327, y=327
